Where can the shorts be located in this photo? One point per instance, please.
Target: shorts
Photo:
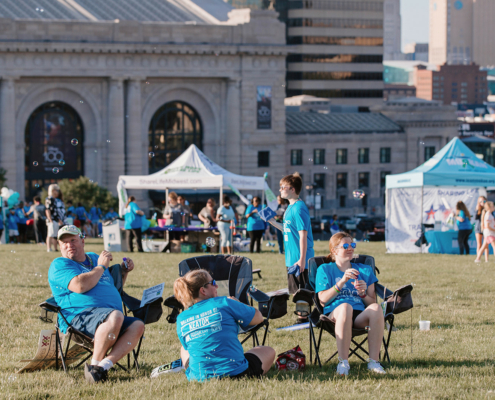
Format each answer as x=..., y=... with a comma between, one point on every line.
x=477, y=227
x=52, y=229
x=294, y=284
x=490, y=239
x=355, y=313
x=254, y=369
x=88, y=320
x=13, y=232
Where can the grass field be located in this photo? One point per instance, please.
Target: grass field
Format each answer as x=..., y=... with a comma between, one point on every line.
x=455, y=360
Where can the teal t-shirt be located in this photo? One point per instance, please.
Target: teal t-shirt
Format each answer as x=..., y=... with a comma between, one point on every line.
x=464, y=225
x=208, y=331
x=132, y=220
x=254, y=222
x=81, y=213
x=329, y=274
x=296, y=218
x=104, y=294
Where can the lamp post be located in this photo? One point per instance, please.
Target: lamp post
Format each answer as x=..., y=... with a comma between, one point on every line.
x=310, y=188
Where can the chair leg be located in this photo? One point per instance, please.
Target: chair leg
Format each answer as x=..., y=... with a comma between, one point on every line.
x=359, y=347
x=312, y=340
x=266, y=332
x=333, y=355
x=83, y=361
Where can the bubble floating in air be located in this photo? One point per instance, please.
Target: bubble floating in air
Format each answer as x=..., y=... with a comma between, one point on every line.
x=358, y=194
x=74, y=142
x=210, y=242
x=151, y=154
x=61, y=162
x=111, y=336
x=55, y=170
x=35, y=163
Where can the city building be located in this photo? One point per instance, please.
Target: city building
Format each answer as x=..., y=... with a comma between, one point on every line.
x=463, y=84
x=416, y=52
x=392, y=30
x=111, y=88
x=336, y=49
x=394, y=92
x=461, y=32
x=402, y=72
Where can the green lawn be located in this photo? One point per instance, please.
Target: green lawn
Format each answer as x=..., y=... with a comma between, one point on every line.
x=454, y=360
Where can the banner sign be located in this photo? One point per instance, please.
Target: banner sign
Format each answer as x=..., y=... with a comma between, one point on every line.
x=479, y=129
x=264, y=107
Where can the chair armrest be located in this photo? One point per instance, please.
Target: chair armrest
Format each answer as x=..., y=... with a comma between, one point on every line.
x=50, y=305
x=172, y=302
x=258, y=296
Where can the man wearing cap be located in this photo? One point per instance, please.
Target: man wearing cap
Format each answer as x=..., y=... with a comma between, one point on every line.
x=84, y=289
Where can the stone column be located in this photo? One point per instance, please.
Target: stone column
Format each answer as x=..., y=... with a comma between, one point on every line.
x=8, y=146
x=116, y=127
x=233, y=133
x=136, y=140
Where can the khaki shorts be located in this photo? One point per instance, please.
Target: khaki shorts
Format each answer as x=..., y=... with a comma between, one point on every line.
x=52, y=229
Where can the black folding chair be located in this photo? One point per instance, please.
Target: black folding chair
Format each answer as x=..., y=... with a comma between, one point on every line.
x=321, y=321
x=234, y=277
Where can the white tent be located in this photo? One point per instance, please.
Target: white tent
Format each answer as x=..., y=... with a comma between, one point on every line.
x=193, y=170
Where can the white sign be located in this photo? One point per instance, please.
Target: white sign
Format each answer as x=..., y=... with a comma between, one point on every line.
x=153, y=293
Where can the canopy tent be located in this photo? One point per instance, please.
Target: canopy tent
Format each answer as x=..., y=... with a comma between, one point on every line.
x=193, y=170
x=430, y=192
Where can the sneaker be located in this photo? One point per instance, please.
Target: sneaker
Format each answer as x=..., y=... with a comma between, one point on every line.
x=95, y=373
x=375, y=366
x=477, y=261
x=343, y=367
x=173, y=367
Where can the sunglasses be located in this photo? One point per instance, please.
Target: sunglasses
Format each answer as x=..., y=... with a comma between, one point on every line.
x=285, y=187
x=213, y=282
x=345, y=246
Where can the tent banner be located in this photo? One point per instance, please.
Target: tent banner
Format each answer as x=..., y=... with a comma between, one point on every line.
x=271, y=199
x=239, y=194
x=404, y=214
x=122, y=193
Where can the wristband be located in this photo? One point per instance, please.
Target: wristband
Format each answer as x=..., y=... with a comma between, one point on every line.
x=104, y=268
x=336, y=288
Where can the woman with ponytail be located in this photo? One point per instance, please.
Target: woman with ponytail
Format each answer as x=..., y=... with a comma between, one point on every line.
x=208, y=329
x=347, y=292
x=488, y=228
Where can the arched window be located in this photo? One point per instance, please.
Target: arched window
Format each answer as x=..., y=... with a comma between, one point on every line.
x=54, y=146
x=173, y=128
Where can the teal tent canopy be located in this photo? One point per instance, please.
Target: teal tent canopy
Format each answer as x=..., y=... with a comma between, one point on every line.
x=454, y=165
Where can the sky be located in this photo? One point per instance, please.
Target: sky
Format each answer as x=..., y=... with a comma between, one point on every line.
x=414, y=20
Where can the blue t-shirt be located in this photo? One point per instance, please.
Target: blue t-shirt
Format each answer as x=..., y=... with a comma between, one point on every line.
x=104, y=294
x=132, y=220
x=20, y=216
x=329, y=274
x=71, y=209
x=81, y=213
x=208, y=331
x=1, y=219
x=94, y=214
x=296, y=218
x=29, y=214
x=254, y=222
x=12, y=221
x=464, y=225
x=111, y=215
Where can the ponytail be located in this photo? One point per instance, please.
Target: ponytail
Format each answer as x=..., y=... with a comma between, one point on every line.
x=129, y=200
x=334, y=242
x=186, y=288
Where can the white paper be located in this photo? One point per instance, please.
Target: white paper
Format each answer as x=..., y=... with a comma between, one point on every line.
x=152, y=293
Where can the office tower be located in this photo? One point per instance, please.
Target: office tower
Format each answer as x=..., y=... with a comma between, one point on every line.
x=391, y=30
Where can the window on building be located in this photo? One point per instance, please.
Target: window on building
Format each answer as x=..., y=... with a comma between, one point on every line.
x=363, y=180
x=342, y=200
x=383, y=178
x=429, y=152
x=364, y=156
x=385, y=155
x=342, y=180
x=263, y=158
x=341, y=156
x=319, y=180
x=319, y=157
x=296, y=157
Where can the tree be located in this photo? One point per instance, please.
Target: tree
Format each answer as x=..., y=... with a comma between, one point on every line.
x=3, y=179
x=86, y=192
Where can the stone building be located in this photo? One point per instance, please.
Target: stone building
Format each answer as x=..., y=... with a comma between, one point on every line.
x=126, y=88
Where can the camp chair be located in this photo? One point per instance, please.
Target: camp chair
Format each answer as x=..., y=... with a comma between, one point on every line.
x=234, y=277
x=320, y=320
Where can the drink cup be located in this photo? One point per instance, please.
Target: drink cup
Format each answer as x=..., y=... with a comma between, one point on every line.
x=424, y=325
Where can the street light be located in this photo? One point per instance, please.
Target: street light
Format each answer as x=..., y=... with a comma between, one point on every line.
x=310, y=188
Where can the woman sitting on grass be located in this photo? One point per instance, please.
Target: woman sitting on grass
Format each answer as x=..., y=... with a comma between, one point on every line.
x=208, y=331
x=347, y=293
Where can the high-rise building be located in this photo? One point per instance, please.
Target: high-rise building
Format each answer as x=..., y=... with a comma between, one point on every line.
x=461, y=32
x=337, y=49
x=391, y=30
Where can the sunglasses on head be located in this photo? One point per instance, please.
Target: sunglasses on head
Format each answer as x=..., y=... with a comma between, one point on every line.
x=213, y=282
x=345, y=246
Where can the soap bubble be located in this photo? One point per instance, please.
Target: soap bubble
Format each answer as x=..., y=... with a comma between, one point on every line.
x=367, y=328
x=108, y=141
x=310, y=159
x=35, y=163
x=61, y=162
x=74, y=142
x=325, y=167
x=12, y=251
x=111, y=336
x=210, y=242
x=36, y=185
x=80, y=101
x=11, y=378
x=358, y=194
x=151, y=154
x=129, y=343
x=55, y=170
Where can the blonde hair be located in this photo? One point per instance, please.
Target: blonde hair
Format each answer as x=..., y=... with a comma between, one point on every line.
x=186, y=288
x=487, y=208
x=334, y=242
x=173, y=196
x=53, y=187
x=479, y=209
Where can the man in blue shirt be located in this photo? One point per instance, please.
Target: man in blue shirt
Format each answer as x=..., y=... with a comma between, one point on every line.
x=84, y=289
x=111, y=214
x=21, y=223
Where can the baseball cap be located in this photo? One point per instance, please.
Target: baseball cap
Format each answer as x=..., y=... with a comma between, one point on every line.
x=68, y=230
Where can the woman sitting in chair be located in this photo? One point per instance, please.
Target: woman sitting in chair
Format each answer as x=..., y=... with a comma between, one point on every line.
x=208, y=331
x=347, y=293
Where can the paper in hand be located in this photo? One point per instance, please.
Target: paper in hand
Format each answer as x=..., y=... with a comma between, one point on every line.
x=267, y=214
x=152, y=293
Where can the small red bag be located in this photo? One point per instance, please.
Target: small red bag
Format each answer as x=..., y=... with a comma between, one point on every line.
x=293, y=359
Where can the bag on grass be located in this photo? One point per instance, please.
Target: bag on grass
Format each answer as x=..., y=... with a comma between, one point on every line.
x=293, y=359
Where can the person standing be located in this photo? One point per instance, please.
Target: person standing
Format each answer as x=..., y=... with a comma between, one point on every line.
x=334, y=225
x=478, y=232
x=488, y=227
x=70, y=207
x=174, y=213
x=281, y=208
x=55, y=214
x=186, y=211
x=133, y=224
x=1, y=221
x=12, y=225
x=21, y=224
x=255, y=225
x=82, y=216
x=464, y=225
x=39, y=215
x=225, y=215
x=95, y=215
x=298, y=236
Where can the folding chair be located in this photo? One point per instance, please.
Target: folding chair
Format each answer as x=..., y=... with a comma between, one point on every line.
x=321, y=321
x=234, y=277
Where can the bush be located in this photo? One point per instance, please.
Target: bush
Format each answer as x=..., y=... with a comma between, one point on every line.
x=86, y=192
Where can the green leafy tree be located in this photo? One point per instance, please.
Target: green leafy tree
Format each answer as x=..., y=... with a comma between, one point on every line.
x=3, y=179
x=86, y=192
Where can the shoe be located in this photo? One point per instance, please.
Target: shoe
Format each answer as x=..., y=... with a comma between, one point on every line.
x=173, y=367
x=477, y=261
x=343, y=367
x=375, y=366
x=95, y=373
